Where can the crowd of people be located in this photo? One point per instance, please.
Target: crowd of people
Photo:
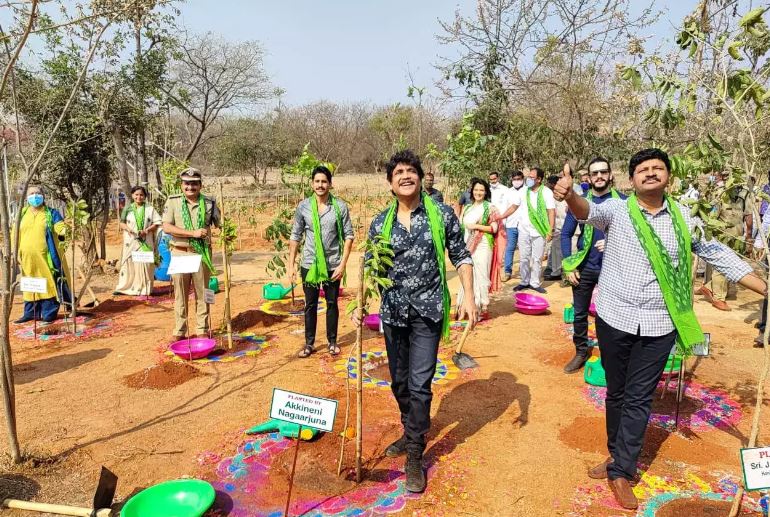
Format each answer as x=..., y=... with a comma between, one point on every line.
x=632, y=253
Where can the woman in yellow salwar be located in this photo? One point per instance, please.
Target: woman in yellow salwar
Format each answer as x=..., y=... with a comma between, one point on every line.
x=139, y=221
x=41, y=255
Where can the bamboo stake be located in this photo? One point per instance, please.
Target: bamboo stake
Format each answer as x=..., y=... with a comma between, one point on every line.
x=293, y=467
x=359, y=382
x=73, y=294
x=226, y=267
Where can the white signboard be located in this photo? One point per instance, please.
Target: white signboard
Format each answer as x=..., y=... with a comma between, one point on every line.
x=304, y=410
x=756, y=468
x=31, y=284
x=208, y=296
x=143, y=257
x=184, y=264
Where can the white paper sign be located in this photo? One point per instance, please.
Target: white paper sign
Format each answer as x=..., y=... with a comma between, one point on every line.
x=304, y=410
x=143, y=257
x=184, y=264
x=31, y=284
x=208, y=296
x=756, y=467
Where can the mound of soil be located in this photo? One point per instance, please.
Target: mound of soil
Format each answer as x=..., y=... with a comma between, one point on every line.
x=694, y=508
x=162, y=376
x=558, y=356
x=239, y=345
x=378, y=369
x=667, y=406
x=114, y=306
x=254, y=318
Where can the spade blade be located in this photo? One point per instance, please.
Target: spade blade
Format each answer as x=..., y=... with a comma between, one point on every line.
x=105, y=490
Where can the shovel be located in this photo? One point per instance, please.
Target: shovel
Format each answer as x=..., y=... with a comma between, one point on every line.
x=462, y=360
x=105, y=492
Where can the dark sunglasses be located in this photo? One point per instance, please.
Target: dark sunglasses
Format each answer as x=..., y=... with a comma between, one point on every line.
x=605, y=172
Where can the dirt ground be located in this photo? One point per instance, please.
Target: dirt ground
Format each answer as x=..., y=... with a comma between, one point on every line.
x=513, y=437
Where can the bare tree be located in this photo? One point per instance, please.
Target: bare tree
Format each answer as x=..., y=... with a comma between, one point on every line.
x=212, y=76
x=552, y=60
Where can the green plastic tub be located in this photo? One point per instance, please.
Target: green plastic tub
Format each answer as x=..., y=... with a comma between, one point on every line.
x=178, y=498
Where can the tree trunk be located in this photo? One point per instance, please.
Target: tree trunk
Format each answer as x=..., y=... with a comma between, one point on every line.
x=6, y=301
x=103, y=226
x=120, y=155
x=141, y=144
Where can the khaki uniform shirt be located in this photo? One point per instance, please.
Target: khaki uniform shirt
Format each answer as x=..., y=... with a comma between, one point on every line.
x=172, y=214
x=734, y=212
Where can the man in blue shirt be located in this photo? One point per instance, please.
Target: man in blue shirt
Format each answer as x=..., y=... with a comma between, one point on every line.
x=583, y=273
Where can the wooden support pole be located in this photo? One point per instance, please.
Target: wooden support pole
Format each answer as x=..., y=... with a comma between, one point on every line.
x=293, y=466
x=73, y=294
x=226, y=267
x=359, y=383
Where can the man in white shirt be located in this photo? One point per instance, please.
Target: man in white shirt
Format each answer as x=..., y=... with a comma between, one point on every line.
x=535, y=228
x=498, y=191
x=512, y=222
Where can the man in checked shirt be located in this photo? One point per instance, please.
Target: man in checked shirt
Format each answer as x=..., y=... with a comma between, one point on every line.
x=647, y=258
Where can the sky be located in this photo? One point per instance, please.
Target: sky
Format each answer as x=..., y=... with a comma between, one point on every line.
x=349, y=50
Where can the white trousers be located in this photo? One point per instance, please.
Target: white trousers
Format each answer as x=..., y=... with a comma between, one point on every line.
x=531, y=250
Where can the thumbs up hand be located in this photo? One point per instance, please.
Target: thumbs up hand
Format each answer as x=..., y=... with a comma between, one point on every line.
x=562, y=191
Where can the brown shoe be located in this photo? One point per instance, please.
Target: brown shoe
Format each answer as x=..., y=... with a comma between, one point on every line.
x=623, y=493
x=721, y=305
x=600, y=471
x=706, y=293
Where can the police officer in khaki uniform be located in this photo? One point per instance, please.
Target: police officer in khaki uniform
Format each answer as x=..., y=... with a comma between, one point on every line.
x=189, y=236
x=737, y=213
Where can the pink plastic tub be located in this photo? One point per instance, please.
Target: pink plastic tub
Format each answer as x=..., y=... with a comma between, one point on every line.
x=530, y=300
x=372, y=321
x=195, y=348
x=530, y=310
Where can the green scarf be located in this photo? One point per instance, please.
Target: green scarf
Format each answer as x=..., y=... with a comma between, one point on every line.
x=484, y=221
x=139, y=220
x=571, y=263
x=198, y=245
x=318, y=272
x=438, y=235
x=675, y=282
x=538, y=217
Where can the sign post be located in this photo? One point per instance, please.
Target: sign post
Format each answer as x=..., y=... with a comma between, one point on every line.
x=305, y=411
x=34, y=285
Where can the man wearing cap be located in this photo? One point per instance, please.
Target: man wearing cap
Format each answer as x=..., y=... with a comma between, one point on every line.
x=187, y=218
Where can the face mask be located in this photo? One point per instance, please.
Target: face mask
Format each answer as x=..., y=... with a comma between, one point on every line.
x=530, y=182
x=35, y=200
x=712, y=179
x=585, y=187
x=517, y=184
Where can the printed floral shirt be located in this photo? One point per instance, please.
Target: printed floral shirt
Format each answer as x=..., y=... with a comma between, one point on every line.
x=415, y=275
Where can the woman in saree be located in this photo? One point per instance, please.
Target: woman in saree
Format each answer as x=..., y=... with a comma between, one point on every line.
x=41, y=255
x=139, y=222
x=479, y=221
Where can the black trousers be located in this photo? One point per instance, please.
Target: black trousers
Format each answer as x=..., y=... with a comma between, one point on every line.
x=762, y=320
x=331, y=293
x=581, y=301
x=633, y=365
x=412, y=353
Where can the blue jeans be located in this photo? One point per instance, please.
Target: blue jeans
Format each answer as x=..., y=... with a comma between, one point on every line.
x=412, y=352
x=510, y=247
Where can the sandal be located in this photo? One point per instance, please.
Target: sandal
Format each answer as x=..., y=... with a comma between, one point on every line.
x=306, y=351
x=333, y=349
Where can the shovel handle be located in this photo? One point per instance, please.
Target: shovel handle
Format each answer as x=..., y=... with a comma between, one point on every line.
x=463, y=338
x=56, y=508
